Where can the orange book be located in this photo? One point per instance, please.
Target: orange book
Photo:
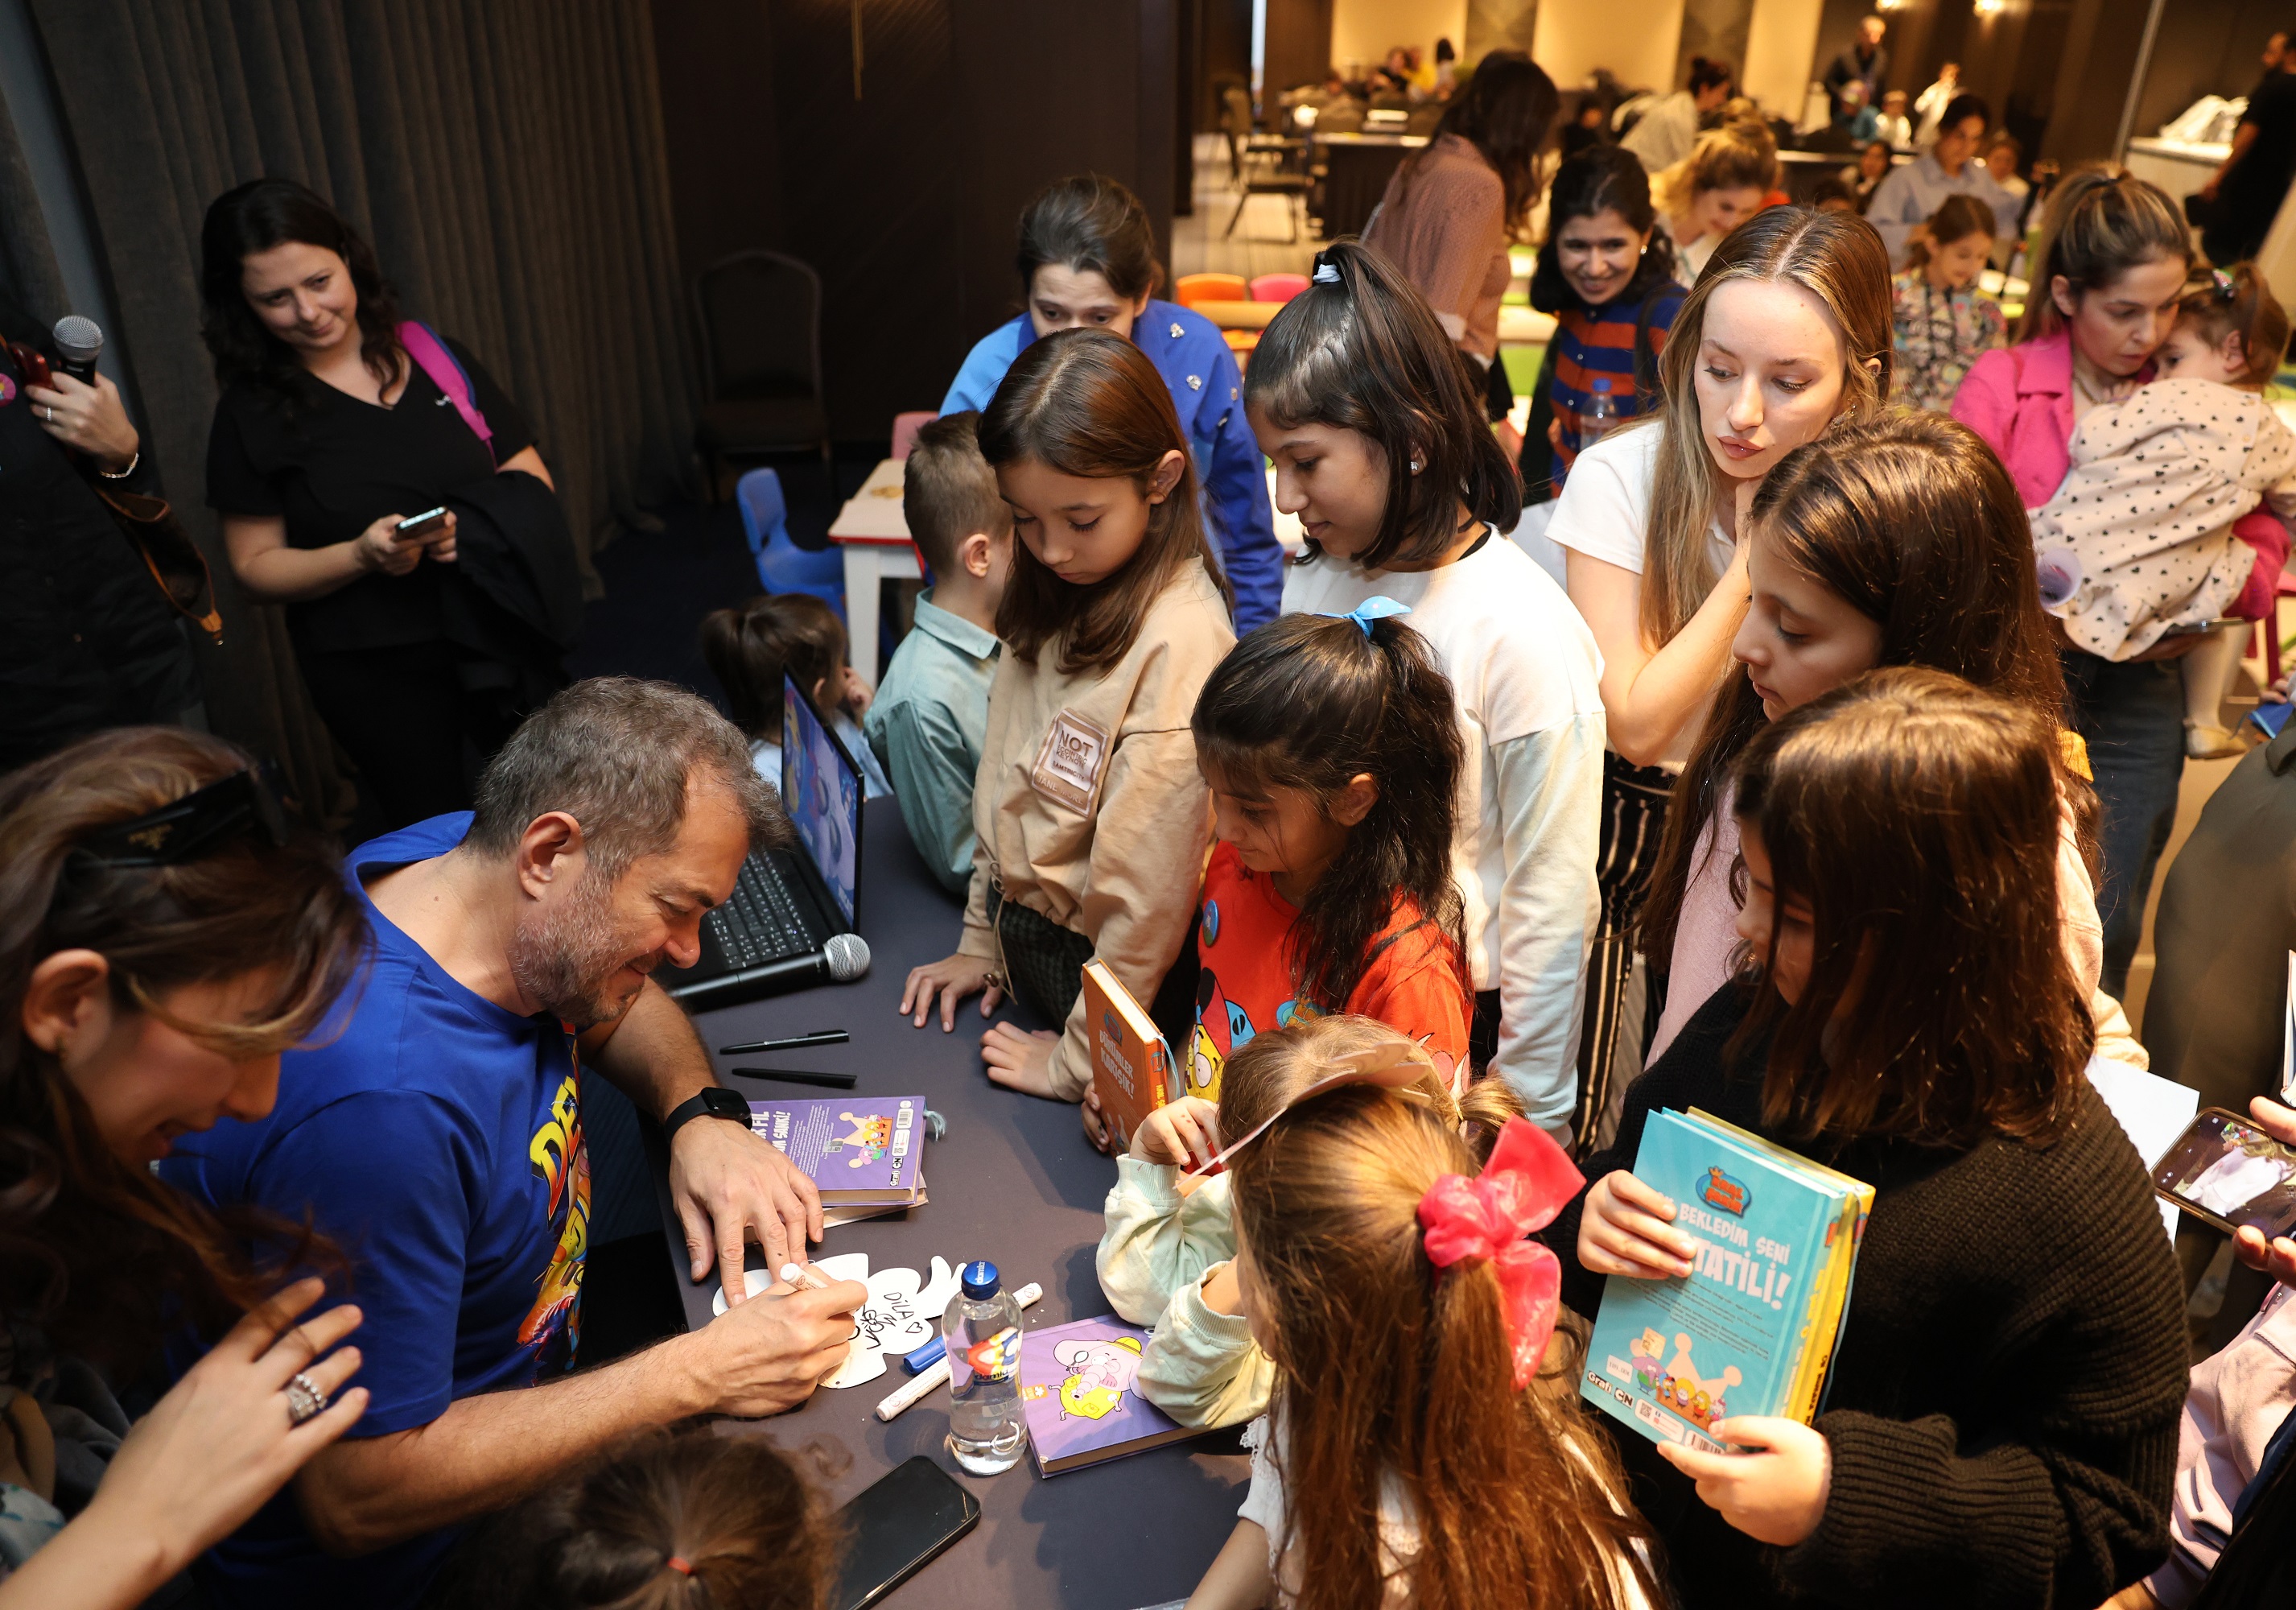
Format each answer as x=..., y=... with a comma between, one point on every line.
x=1131, y=1064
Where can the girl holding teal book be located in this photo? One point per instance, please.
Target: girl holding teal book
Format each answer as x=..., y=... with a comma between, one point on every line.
x=1999, y=1424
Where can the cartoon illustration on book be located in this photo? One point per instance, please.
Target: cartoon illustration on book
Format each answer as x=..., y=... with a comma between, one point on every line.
x=1100, y=1373
x=1690, y=1395
x=1221, y=1030
x=1644, y=1350
x=872, y=1137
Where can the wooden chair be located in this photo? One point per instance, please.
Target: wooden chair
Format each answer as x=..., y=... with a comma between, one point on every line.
x=759, y=314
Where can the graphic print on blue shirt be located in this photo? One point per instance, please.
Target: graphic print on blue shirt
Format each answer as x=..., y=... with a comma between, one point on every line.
x=437, y=1139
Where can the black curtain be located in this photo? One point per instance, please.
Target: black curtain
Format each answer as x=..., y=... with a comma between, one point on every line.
x=504, y=156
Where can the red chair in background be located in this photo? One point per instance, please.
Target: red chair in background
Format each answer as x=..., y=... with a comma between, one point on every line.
x=906, y=427
x=1278, y=287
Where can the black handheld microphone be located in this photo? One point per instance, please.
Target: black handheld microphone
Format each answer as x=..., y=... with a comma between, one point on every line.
x=843, y=959
x=79, y=343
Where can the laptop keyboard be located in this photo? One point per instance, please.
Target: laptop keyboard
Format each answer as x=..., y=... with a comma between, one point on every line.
x=761, y=924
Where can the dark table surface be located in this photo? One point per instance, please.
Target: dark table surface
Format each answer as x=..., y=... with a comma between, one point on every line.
x=1014, y=1181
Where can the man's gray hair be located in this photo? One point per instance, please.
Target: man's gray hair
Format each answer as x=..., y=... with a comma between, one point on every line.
x=618, y=755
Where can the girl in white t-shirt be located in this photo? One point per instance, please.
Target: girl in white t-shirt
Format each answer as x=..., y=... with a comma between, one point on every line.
x=1383, y=451
x=1898, y=540
x=1422, y=1438
x=1787, y=329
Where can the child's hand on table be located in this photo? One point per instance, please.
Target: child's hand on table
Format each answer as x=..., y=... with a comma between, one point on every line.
x=1183, y=1133
x=1624, y=1231
x=1020, y=1060
x=1777, y=1493
x=952, y=978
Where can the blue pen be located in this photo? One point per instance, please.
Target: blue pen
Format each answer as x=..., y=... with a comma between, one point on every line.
x=925, y=1357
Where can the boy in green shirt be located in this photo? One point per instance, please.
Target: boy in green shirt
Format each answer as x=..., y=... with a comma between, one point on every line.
x=932, y=709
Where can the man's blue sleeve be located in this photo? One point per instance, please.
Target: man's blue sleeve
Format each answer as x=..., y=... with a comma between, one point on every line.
x=1236, y=488
x=387, y=1176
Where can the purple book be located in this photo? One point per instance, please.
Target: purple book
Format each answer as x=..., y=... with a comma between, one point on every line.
x=855, y=1149
x=1078, y=1391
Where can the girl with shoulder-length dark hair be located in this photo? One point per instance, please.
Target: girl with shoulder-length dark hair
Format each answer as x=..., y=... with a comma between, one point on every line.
x=2108, y=278
x=1606, y=273
x=1896, y=540
x=338, y=421
x=1091, y=815
x=1087, y=261
x=163, y=937
x=2014, y=1344
x=1453, y=204
x=1380, y=450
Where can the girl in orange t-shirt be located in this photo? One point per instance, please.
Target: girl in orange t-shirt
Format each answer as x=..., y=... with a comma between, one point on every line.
x=1332, y=752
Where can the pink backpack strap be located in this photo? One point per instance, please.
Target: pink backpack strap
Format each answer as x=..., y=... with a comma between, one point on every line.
x=447, y=373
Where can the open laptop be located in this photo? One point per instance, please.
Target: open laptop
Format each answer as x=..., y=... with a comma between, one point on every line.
x=787, y=903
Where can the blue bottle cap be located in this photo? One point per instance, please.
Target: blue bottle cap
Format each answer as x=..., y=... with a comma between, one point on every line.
x=1603, y=384
x=980, y=1279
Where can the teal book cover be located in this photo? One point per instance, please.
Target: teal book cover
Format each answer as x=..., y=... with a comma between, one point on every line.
x=1669, y=1358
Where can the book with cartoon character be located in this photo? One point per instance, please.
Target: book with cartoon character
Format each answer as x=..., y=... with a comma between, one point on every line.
x=1131, y=1064
x=857, y=1150
x=1750, y=1330
x=1077, y=1391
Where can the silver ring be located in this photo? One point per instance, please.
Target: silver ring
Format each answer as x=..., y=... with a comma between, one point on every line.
x=305, y=1401
x=50, y=412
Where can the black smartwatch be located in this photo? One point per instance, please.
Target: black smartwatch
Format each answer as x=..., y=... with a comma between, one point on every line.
x=714, y=1101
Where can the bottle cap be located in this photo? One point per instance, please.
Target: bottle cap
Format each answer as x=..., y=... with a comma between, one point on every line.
x=980, y=1279
x=1603, y=384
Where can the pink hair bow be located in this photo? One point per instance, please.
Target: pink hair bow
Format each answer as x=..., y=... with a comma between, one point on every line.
x=1528, y=1181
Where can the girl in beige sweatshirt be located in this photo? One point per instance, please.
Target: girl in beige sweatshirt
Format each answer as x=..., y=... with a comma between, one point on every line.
x=1092, y=818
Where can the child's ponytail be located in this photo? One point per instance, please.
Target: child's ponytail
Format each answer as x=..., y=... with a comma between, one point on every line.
x=1361, y=351
x=1311, y=701
x=2236, y=301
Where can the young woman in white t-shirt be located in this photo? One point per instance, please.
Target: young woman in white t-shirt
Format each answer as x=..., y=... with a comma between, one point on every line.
x=1382, y=449
x=1423, y=1440
x=1787, y=329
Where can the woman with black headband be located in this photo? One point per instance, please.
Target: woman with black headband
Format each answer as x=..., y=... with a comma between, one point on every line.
x=164, y=935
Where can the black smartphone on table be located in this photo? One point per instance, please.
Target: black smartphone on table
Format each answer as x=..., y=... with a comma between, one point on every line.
x=2226, y=1171
x=415, y=526
x=896, y=1526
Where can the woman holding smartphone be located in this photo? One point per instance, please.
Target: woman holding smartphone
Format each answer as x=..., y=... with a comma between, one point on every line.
x=331, y=445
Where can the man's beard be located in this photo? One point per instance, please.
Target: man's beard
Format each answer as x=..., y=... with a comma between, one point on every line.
x=563, y=958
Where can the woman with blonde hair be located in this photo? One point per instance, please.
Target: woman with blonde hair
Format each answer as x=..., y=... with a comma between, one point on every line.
x=1787, y=330
x=1713, y=190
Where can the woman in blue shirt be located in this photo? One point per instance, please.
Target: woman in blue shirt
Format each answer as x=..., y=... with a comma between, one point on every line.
x=1087, y=257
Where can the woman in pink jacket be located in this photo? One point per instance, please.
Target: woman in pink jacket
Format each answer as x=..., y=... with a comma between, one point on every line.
x=2113, y=260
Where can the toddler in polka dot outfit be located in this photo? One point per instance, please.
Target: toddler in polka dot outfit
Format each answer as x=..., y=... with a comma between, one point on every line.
x=2161, y=504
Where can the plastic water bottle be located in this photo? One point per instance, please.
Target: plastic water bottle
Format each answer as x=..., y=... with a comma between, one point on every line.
x=1600, y=413
x=983, y=1332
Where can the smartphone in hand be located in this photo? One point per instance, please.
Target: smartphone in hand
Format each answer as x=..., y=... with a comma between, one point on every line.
x=415, y=526
x=2227, y=1172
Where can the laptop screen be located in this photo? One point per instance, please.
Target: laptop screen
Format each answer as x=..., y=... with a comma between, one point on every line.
x=821, y=790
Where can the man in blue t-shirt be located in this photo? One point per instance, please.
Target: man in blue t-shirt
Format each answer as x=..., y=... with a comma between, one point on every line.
x=436, y=1138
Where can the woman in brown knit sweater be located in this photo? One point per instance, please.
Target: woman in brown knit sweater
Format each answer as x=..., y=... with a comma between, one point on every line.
x=1453, y=206
x=1999, y=1424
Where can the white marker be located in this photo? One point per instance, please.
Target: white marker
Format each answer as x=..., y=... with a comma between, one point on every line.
x=804, y=1277
x=936, y=1374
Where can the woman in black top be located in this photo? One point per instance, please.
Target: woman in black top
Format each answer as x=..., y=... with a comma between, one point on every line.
x=1998, y=1425
x=327, y=435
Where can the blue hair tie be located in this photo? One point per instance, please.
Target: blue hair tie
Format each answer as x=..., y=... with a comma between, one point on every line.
x=1378, y=608
x=1327, y=269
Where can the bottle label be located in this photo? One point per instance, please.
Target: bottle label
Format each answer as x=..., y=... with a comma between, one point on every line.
x=995, y=1358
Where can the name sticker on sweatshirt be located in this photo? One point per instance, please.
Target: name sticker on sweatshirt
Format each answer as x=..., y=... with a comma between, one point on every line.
x=1069, y=766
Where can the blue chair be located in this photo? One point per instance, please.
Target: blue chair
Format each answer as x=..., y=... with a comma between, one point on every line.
x=782, y=566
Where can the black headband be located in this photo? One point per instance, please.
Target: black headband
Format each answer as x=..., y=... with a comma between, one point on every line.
x=193, y=826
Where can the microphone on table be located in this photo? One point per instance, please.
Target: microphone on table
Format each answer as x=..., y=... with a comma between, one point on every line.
x=844, y=959
x=78, y=342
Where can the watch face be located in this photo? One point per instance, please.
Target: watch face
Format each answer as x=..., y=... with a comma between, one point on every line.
x=722, y=1102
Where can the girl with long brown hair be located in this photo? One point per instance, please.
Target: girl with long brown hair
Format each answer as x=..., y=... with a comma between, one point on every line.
x=1891, y=541
x=2000, y=1417
x=1715, y=188
x=1422, y=1448
x=1787, y=330
x=163, y=937
x=1380, y=449
x=1092, y=818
